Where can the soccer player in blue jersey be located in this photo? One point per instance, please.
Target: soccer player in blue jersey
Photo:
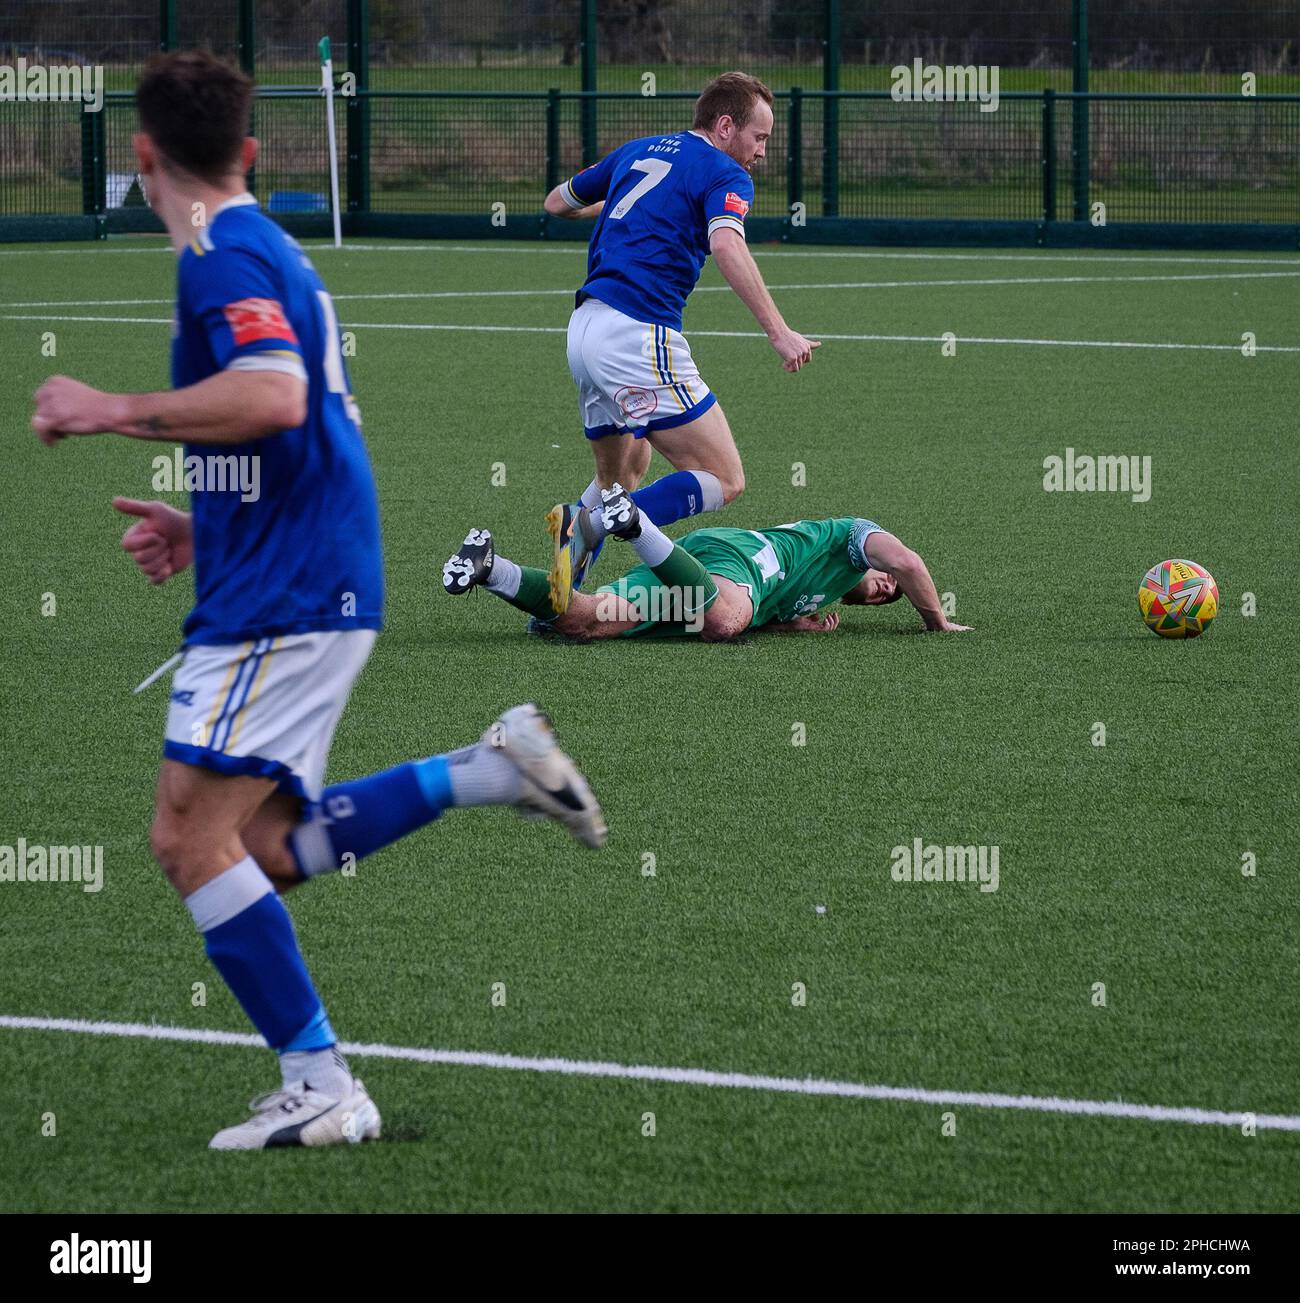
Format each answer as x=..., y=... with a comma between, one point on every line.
x=662, y=205
x=289, y=596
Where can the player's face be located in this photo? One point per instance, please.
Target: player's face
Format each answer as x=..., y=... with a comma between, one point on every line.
x=749, y=144
x=877, y=587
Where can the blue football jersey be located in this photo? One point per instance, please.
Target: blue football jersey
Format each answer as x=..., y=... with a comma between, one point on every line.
x=664, y=197
x=301, y=552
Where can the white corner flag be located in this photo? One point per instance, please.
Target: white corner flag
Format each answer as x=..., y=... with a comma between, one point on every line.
x=327, y=86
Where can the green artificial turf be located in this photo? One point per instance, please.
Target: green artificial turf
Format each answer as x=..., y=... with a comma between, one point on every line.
x=1118, y=864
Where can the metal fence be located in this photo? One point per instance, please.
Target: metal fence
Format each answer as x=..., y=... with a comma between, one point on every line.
x=1130, y=45
x=460, y=105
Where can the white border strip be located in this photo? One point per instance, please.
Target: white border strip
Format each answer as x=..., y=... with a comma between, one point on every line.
x=709, y=289
x=687, y=1076
x=579, y=247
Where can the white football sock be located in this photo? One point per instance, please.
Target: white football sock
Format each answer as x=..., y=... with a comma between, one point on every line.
x=710, y=489
x=652, y=545
x=481, y=775
x=324, y=1070
x=591, y=496
x=231, y=892
x=505, y=578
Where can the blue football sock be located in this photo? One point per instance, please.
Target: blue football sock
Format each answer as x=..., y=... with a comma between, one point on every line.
x=681, y=494
x=250, y=939
x=355, y=819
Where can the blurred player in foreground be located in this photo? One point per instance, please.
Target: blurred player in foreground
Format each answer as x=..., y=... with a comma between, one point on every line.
x=662, y=204
x=289, y=597
x=717, y=583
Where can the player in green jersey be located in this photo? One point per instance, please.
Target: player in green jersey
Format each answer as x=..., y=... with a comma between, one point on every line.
x=717, y=583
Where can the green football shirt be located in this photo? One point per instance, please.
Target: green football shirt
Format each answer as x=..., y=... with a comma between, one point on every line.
x=789, y=570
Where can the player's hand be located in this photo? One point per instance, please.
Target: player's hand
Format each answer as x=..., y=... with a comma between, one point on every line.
x=948, y=626
x=161, y=542
x=793, y=348
x=827, y=623
x=65, y=406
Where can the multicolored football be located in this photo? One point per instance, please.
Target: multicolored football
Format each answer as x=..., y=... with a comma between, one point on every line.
x=1178, y=599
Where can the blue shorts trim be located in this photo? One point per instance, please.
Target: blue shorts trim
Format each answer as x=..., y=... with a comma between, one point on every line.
x=236, y=766
x=682, y=418
x=659, y=423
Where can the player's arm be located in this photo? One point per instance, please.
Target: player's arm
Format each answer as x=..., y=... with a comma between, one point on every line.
x=558, y=204
x=737, y=265
x=231, y=306
x=885, y=552
x=582, y=195
x=229, y=407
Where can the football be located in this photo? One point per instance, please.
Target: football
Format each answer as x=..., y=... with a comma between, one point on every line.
x=1178, y=599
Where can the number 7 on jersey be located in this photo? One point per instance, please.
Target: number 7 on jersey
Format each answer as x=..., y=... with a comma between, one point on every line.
x=655, y=170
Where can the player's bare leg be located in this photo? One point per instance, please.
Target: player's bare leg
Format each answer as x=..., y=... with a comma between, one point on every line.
x=640, y=461
x=620, y=458
x=197, y=818
x=597, y=615
x=729, y=615
x=704, y=444
x=266, y=835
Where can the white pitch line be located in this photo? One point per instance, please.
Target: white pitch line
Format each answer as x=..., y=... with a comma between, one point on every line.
x=686, y=1076
x=760, y=251
x=1012, y=280
x=578, y=247
x=722, y=334
x=395, y=295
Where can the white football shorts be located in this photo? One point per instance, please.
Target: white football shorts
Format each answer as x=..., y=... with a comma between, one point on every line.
x=266, y=708
x=632, y=375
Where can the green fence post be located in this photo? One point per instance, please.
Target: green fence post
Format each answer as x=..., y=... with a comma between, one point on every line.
x=831, y=113
x=358, y=107
x=589, y=44
x=552, y=139
x=794, y=153
x=167, y=25
x=244, y=39
x=1079, y=149
x=246, y=30
x=1049, y=155
x=94, y=177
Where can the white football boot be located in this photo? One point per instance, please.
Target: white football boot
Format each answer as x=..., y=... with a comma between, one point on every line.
x=553, y=785
x=299, y=1115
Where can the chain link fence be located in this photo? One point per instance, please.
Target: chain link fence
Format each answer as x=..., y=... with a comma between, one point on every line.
x=453, y=114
